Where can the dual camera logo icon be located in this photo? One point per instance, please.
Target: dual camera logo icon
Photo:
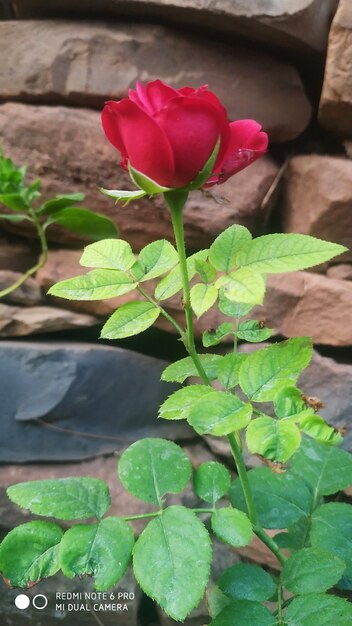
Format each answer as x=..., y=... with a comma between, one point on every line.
x=39, y=601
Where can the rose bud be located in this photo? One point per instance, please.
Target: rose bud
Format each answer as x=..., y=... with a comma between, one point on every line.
x=170, y=134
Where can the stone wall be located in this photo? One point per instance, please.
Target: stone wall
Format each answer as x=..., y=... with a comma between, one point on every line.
x=286, y=63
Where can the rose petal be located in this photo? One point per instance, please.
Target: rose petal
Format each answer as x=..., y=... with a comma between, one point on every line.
x=247, y=144
x=153, y=96
x=193, y=126
x=139, y=139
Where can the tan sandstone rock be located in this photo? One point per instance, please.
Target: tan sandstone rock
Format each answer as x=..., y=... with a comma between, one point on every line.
x=317, y=198
x=298, y=24
x=66, y=148
x=84, y=64
x=342, y=271
x=335, y=112
x=19, y=321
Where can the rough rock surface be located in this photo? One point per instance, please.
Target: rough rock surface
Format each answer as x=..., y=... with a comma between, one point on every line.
x=18, y=321
x=16, y=254
x=86, y=412
x=87, y=63
x=335, y=112
x=66, y=148
x=298, y=303
x=317, y=198
x=298, y=24
x=342, y=271
x=27, y=294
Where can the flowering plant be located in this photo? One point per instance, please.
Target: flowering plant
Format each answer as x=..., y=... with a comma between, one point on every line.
x=173, y=142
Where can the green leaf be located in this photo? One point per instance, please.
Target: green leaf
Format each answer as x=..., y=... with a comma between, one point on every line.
x=108, y=254
x=211, y=481
x=244, y=286
x=244, y=613
x=296, y=536
x=318, y=610
x=252, y=331
x=281, y=499
x=155, y=259
x=130, y=319
x=312, y=570
x=13, y=218
x=29, y=553
x=95, y=285
x=14, y=201
x=60, y=202
x=213, y=337
x=274, y=439
x=219, y=413
x=316, y=427
x=229, y=368
x=122, y=194
x=178, y=405
x=332, y=531
x=202, y=298
x=264, y=372
x=216, y=601
x=205, y=271
x=289, y=403
x=171, y=561
x=150, y=468
x=172, y=283
x=63, y=498
x=149, y=186
x=232, y=526
x=85, y=222
x=184, y=368
x=284, y=252
x=232, y=309
x=325, y=468
x=223, y=251
x=101, y=550
x=244, y=581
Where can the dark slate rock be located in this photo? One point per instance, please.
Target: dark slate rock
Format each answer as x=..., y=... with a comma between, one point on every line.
x=108, y=396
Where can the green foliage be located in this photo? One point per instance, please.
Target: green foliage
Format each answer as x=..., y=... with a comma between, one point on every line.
x=232, y=309
x=110, y=254
x=229, y=368
x=29, y=553
x=289, y=403
x=312, y=570
x=332, y=531
x=325, y=468
x=219, y=413
x=184, y=368
x=203, y=297
x=121, y=194
x=213, y=337
x=244, y=286
x=318, y=610
x=232, y=526
x=276, y=440
x=156, y=259
x=151, y=468
x=244, y=581
x=179, y=404
x=211, y=481
x=62, y=201
x=223, y=251
x=244, y=613
x=253, y=331
x=130, y=319
x=64, y=498
x=283, y=252
x=171, y=561
x=264, y=372
x=172, y=283
x=84, y=222
x=96, y=285
x=281, y=499
x=101, y=550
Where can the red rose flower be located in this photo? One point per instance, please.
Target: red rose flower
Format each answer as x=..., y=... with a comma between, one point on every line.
x=169, y=134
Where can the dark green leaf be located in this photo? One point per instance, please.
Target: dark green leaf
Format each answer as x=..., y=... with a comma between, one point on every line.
x=151, y=468
x=325, y=468
x=312, y=570
x=101, y=550
x=244, y=581
x=332, y=531
x=29, y=553
x=280, y=499
x=244, y=613
x=184, y=368
x=10, y=217
x=232, y=309
x=319, y=610
x=232, y=526
x=130, y=319
x=252, y=331
x=63, y=498
x=61, y=202
x=171, y=561
x=213, y=337
x=85, y=222
x=14, y=201
x=211, y=481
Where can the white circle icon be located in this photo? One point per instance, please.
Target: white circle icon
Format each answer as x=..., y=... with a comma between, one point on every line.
x=43, y=601
x=22, y=601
